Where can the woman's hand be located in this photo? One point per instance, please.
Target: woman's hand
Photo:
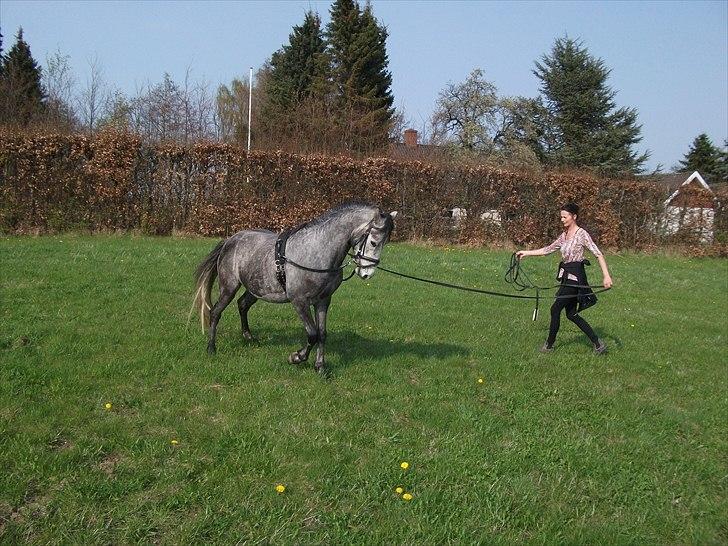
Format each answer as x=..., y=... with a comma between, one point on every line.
x=608, y=282
x=521, y=254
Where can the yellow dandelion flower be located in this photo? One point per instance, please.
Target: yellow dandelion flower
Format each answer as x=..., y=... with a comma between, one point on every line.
x=107, y=405
x=280, y=488
x=399, y=490
x=407, y=497
x=404, y=465
x=480, y=380
x=174, y=442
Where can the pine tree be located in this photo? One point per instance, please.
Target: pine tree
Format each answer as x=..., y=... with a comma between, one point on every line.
x=357, y=48
x=300, y=68
x=591, y=131
x=21, y=84
x=704, y=157
x=723, y=164
x=341, y=33
x=2, y=57
x=371, y=66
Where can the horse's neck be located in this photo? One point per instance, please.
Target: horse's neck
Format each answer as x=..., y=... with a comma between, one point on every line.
x=334, y=238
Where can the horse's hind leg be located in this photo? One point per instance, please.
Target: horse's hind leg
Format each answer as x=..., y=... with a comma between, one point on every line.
x=304, y=311
x=322, y=308
x=227, y=293
x=245, y=302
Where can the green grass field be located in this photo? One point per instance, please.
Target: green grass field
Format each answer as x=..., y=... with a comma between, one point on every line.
x=628, y=448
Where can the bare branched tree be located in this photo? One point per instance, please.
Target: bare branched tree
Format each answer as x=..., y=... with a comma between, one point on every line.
x=467, y=114
x=59, y=82
x=198, y=107
x=93, y=98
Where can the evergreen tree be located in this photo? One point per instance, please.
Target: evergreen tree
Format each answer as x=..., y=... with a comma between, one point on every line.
x=21, y=84
x=300, y=68
x=591, y=131
x=373, y=81
x=357, y=47
x=341, y=33
x=704, y=157
x=723, y=164
x=2, y=57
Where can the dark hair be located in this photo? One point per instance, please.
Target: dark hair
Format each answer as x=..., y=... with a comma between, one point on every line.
x=571, y=208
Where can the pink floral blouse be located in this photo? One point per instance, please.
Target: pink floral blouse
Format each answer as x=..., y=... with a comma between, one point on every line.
x=572, y=250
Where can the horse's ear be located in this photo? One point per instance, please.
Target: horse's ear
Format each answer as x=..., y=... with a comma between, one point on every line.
x=393, y=214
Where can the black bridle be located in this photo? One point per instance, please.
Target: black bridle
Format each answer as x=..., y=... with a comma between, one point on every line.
x=281, y=259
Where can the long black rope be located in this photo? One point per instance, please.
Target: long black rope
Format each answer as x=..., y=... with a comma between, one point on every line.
x=491, y=293
x=512, y=276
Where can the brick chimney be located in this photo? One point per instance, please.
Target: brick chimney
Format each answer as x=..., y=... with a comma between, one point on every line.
x=410, y=138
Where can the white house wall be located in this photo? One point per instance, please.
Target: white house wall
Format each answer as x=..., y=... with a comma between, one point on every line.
x=700, y=220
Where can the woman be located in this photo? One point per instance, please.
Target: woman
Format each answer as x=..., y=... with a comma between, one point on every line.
x=572, y=276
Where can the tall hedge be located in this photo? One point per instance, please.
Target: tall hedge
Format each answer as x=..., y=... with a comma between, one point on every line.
x=51, y=183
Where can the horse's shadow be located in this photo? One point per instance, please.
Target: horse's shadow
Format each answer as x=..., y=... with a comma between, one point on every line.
x=345, y=348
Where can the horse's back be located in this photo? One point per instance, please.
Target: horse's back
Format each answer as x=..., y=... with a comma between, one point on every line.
x=249, y=258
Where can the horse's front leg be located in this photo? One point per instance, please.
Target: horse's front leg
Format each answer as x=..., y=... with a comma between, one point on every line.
x=322, y=309
x=304, y=311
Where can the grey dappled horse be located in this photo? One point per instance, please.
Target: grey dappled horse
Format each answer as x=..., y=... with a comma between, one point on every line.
x=248, y=258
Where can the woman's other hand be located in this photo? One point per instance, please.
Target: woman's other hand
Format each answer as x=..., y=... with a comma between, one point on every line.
x=521, y=254
x=608, y=282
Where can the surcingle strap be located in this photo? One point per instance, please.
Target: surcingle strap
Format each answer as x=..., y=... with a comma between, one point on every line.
x=280, y=256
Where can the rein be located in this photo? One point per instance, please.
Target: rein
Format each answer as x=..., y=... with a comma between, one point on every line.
x=512, y=277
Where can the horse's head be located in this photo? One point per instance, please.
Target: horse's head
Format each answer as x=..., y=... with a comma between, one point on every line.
x=369, y=240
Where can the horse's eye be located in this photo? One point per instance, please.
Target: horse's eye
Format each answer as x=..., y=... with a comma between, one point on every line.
x=373, y=243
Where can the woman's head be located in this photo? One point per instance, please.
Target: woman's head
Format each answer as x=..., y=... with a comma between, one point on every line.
x=569, y=212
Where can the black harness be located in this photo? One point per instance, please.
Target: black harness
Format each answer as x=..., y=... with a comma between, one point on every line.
x=280, y=255
x=281, y=260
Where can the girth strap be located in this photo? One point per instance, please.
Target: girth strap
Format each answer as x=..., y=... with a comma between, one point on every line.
x=280, y=255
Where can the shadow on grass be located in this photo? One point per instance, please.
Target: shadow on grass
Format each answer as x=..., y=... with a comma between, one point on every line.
x=347, y=347
x=350, y=347
x=580, y=340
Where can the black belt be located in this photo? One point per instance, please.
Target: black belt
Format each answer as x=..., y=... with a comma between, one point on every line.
x=280, y=255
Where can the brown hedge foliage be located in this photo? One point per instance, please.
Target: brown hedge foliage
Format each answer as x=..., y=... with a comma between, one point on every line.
x=51, y=183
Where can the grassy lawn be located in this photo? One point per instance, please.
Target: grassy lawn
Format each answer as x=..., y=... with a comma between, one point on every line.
x=628, y=448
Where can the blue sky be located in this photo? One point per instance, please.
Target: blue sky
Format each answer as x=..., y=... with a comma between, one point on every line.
x=668, y=59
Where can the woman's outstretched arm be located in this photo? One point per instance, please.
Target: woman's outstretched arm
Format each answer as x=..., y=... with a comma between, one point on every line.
x=542, y=251
x=607, y=279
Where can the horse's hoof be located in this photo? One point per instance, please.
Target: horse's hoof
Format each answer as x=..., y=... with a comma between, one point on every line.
x=248, y=336
x=211, y=350
x=295, y=358
x=324, y=372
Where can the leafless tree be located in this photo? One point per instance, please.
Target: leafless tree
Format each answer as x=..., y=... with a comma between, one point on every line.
x=92, y=100
x=59, y=82
x=198, y=108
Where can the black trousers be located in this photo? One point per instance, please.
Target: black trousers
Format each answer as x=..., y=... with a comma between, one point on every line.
x=570, y=304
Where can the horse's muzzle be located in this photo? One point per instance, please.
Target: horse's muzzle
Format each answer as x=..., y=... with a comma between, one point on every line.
x=365, y=272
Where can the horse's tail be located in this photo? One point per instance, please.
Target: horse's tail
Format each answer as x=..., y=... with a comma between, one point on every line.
x=204, y=277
